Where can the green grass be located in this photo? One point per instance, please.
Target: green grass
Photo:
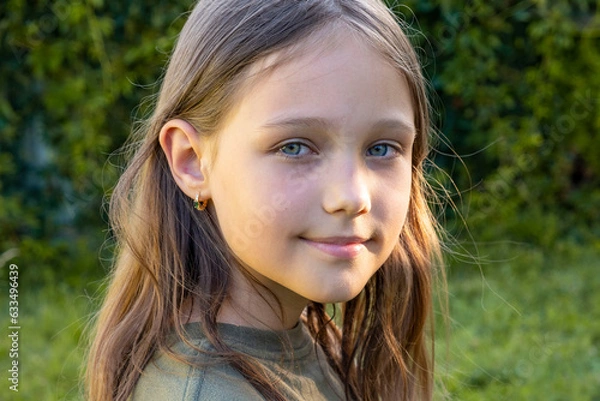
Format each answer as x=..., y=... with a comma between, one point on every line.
x=52, y=321
x=525, y=326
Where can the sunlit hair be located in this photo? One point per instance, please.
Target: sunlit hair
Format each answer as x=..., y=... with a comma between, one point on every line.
x=169, y=253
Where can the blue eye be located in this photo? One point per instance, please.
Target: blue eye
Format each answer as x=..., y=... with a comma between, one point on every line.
x=294, y=149
x=380, y=150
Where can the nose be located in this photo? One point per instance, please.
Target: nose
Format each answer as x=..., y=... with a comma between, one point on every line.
x=346, y=189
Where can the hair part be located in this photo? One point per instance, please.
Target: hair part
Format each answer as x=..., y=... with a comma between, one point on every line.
x=169, y=254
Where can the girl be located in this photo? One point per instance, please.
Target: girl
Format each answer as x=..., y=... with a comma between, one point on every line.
x=281, y=171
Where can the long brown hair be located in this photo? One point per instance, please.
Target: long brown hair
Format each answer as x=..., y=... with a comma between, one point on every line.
x=168, y=253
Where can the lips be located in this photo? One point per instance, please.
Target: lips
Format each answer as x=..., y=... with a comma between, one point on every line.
x=338, y=247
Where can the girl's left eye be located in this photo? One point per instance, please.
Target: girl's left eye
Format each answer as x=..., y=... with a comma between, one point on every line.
x=381, y=150
x=294, y=149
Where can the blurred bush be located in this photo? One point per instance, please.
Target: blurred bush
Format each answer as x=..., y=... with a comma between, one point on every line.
x=517, y=88
x=519, y=98
x=72, y=73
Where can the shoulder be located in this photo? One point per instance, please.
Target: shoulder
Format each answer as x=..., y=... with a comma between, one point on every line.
x=166, y=378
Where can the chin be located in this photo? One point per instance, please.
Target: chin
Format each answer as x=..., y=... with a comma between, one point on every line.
x=343, y=295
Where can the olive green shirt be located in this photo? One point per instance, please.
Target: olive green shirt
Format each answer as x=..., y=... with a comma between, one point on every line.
x=301, y=367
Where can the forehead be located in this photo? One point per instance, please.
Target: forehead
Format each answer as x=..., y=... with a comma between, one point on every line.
x=318, y=55
x=310, y=49
x=339, y=80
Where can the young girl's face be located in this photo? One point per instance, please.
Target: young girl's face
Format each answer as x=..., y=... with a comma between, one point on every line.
x=312, y=174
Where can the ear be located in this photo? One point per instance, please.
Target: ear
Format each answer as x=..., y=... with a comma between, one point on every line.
x=188, y=157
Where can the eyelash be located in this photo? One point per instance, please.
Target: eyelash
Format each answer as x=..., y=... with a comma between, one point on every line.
x=280, y=150
x=389, y=148
x=396, y=149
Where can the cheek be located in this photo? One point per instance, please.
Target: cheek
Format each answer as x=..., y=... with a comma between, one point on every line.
x=255, y=206
x=394, y=207
x=397, y=217
x=394, y=195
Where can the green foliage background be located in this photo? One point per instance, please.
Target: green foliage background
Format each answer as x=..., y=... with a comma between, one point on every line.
x=520, y=100
x=515, y=85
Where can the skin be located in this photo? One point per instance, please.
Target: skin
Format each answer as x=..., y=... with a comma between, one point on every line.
x=309, y=178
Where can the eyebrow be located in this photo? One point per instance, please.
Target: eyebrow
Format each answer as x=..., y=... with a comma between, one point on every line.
x=322, y=124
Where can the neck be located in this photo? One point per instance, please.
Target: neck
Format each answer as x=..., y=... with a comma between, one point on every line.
x=251, y=305
x=260, y=303
x=269, y=317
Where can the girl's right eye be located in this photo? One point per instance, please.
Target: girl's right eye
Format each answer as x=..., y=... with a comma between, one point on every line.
x=294, y=149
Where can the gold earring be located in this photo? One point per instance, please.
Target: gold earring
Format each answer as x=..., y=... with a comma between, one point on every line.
x=198, y=204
